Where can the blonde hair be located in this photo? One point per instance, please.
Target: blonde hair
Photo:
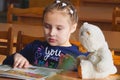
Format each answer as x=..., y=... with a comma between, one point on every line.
x=63, y=5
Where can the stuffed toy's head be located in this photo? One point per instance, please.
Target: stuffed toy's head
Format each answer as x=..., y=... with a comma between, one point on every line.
x=91, y=37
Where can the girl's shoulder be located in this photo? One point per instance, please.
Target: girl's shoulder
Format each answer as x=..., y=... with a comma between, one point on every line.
x=39, y=42
x=79, y=50
x=79, y=46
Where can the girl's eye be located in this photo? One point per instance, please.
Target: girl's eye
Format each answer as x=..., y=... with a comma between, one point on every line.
x=59, y=28
x=47, y=26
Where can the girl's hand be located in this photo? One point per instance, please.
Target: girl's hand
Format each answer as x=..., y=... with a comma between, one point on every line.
x=20, y=61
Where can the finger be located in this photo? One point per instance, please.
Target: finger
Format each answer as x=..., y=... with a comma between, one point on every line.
x=26, y=65
x=21, y=64
x=16, y=63
x=17, y=59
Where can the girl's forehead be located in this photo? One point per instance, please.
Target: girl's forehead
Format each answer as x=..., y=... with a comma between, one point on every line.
x=56, y=14
x=60, y=12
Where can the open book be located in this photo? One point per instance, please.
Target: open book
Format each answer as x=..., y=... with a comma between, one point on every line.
x=31, y=73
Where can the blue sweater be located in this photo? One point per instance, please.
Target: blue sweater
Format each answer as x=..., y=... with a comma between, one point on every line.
x=42, y=54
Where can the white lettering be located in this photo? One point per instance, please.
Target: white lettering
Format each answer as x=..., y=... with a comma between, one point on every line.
x=51, y=53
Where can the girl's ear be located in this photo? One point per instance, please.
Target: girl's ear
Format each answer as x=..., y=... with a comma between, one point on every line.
x=73, y=28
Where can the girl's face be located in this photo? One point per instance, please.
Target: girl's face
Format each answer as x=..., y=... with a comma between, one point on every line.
x=58, y=28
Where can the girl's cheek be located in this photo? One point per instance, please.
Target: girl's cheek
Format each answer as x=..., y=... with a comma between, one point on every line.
x=46, y=32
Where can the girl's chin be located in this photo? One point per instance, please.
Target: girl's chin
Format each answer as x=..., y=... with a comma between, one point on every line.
x=53, y=44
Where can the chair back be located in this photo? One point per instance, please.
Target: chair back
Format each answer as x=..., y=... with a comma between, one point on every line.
x=6, y=42
x=39, y=3
x=116, y=19
x=43, y=3
x=23, y=40
x=32, y=14
x=116, y=57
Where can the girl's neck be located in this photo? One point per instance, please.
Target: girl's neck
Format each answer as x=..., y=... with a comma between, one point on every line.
x=67, y=44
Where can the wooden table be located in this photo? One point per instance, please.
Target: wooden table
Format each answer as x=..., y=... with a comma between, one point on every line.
x=69, y=75
x=74, y=76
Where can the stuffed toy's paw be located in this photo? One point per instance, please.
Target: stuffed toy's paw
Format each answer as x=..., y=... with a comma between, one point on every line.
x=82, y=57
x=101, y=67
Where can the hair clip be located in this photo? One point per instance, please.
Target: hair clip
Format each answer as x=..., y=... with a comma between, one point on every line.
x=71, y=11
x=58, y=1
x=64, y=4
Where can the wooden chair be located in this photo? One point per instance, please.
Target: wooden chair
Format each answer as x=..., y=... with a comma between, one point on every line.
x=43, y=3
x=113, y=40
x=30, y=16
x=33, y=14
x=6, y=44
x=116, y=58
x=23, y=40
x=116, y=19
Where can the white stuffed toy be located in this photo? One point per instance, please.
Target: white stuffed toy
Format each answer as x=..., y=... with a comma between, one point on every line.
x=99, y=63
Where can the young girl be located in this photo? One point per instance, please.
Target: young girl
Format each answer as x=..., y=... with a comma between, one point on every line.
x=60, y=21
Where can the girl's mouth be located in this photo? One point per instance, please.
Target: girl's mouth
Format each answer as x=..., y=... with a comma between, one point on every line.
x=51, y=40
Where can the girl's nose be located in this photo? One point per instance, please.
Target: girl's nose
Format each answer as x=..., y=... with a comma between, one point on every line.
x=52, y=32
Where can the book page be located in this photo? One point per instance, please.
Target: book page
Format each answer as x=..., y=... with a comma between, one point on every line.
x=33, y=72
